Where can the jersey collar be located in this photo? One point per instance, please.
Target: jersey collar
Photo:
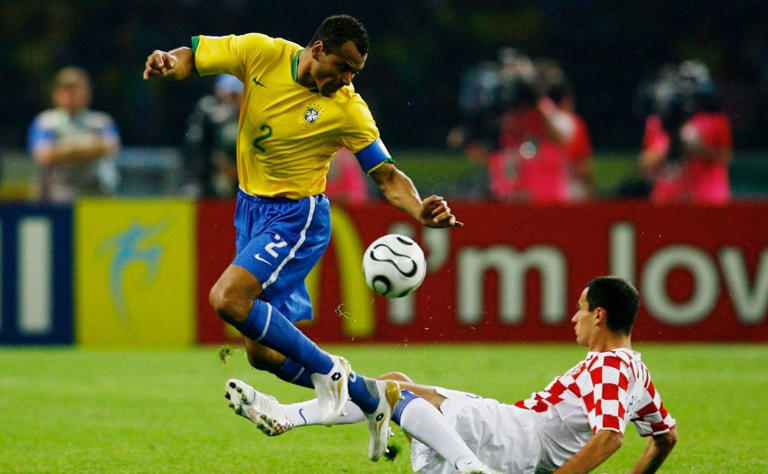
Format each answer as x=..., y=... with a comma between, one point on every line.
x=295, y=66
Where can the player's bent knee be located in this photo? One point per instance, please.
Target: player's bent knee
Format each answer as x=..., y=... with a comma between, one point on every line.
x=227, y=305
x=396, y=376
x=260, y=364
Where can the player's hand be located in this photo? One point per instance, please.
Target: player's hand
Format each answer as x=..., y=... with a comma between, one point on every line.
x=159, y=63
x=436, y=213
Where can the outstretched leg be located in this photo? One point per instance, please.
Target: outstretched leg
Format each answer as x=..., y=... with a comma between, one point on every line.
x=234, y=297
x=414, y=407
x=418, y=414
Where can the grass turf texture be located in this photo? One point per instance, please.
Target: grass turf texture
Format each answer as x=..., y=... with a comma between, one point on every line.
x=70, y=410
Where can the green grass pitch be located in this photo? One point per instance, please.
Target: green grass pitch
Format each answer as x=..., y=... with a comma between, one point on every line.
x=75, y=410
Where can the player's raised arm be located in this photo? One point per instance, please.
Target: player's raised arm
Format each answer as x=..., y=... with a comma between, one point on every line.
x=176, y=65
x=400, y=191
x=656, y=451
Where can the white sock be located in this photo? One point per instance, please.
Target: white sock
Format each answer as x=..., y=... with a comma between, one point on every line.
x=307, y=413
x=424, y=422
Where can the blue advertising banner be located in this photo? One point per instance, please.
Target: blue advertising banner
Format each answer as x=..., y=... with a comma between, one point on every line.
x=36, y=304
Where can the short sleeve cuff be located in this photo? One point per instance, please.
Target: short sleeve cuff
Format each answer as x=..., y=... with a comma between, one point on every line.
x=195, y=43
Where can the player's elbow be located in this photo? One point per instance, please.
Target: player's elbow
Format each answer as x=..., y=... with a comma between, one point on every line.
x=616, y=441
x=384, y=175
x=611, y=441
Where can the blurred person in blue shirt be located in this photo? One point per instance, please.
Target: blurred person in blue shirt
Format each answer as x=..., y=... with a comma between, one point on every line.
x=73, y=145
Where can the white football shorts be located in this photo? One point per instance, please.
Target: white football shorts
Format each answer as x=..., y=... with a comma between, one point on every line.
x=502, y=436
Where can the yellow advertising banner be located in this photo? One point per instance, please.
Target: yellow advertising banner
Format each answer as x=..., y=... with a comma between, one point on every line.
x=135, y=264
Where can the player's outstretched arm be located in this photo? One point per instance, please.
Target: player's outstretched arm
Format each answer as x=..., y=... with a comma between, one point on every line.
x=400, y=191
x=176, y=65
x=592, y=454
x=656, y=451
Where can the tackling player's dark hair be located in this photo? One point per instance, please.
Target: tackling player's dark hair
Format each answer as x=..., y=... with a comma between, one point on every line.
x=618, y=298
x=336, y=30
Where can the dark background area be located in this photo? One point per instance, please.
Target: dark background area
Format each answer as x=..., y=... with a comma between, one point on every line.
x=419, y=50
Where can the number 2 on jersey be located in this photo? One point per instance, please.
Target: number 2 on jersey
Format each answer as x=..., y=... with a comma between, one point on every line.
x=267, y=133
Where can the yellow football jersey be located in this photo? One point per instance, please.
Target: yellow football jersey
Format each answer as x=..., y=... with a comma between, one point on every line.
x=287, y=135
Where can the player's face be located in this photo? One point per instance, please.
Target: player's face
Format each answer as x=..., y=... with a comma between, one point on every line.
x=583, y=320
x=332, y=71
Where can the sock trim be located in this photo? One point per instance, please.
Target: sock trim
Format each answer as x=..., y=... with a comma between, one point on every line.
x=296, y=377
x=406, y=398
x=266, y=324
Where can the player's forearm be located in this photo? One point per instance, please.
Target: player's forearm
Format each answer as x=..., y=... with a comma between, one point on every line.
x=185, y=64
x=76, y=152
x=549, y=112
x=656, y=451
x=400, y=191
x=592, y=454
x=175, y=65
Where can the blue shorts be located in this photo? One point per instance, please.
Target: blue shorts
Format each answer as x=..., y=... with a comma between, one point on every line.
x=279, y=241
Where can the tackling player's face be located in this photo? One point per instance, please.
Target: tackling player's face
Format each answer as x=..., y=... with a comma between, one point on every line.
x=583, y=320
x=334, y=70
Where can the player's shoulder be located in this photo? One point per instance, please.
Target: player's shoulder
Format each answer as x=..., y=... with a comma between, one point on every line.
x=613, y=358
x=286, y=44
x=50, y=118
x=253, y=43
x=348, y=98
x=264, y=43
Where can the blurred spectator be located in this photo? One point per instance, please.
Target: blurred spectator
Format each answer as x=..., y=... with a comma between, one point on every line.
x=687, y=143
x=211, y=138
x=522, y=134
x=531, y=163
x=578, y=145
x=73, y=145
x=344, y=182
x=480, y=107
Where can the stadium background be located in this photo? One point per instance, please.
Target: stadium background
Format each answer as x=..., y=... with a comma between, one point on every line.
x=132, y=273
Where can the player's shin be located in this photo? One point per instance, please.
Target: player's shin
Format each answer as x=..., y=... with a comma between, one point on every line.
x=266, y=325
x=295, y=373
x=328, y=374
x=420, y=419
x=308, y=413
x=363, y=391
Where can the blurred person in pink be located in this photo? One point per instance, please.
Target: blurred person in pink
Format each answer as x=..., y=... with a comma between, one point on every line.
x=688, y=145
x=578, y=146
x=532, y=163
x=707, y=140
x=344, y=182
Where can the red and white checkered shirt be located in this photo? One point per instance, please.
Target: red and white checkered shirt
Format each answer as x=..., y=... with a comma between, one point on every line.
x=602, y=392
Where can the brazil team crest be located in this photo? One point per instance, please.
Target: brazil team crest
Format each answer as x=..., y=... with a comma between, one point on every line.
x=312, y=114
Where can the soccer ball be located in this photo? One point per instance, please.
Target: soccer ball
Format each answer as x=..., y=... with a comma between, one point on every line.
x=394, y=266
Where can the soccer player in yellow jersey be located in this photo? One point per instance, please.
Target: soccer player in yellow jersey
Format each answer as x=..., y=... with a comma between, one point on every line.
x=299, y=107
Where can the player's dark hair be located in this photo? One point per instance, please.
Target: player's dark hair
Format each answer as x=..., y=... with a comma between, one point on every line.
x=618, y=298
x=336, y=30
